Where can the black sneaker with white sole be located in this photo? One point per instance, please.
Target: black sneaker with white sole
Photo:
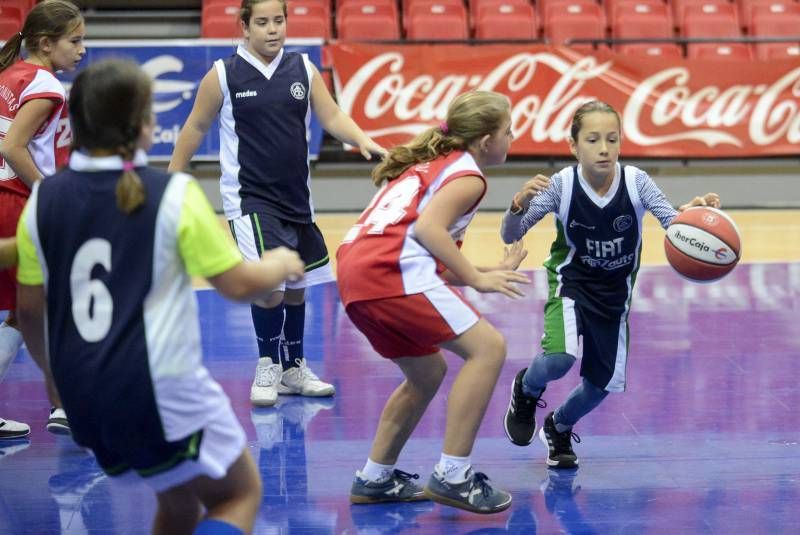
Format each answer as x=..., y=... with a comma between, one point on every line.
x=57, y=422
x=520, y=420
x=559, y=445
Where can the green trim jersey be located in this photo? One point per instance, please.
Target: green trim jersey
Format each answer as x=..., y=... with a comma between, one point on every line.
x=595, y=256
x=121, y=327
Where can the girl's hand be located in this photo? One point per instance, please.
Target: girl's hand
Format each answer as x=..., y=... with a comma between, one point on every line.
x=504, y=282
x=529, y=190
x=709, y=199
x=513, y=256
x=369, y=147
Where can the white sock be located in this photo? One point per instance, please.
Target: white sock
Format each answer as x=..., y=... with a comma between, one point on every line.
x=377, y=473
x=10, y=342
x=453, y=469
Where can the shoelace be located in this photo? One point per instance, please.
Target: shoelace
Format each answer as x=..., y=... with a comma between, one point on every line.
x=267, y=375
x=564, y=440
x=405, y=476
x=479, y=479
x=304, y=371
x=525, y=409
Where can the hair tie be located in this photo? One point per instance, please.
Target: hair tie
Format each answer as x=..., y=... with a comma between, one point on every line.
x=20, y=35
x=127, y=166
x=443, y=127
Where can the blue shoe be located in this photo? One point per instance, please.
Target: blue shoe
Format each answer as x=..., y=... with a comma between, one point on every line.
x=398, y=488
x=475, y=494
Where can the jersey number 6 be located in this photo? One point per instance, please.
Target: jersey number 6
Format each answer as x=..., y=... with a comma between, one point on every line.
x=92, y=305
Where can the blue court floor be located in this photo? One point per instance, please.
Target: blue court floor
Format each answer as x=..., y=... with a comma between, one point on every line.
x=705, y=440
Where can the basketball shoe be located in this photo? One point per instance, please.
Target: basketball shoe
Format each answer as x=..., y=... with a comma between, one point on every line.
x=475, y=494
x=264, y=392
x=559, y=445
x=301, y=381
x=399, y=487
x=520, y=421
x=9, y=429
x=57, y=422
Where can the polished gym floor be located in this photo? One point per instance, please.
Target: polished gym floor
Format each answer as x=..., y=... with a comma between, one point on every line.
x=706, y=439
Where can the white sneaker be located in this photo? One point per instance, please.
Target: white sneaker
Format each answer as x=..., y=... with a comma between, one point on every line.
x=57, y=423
x=303, y=382
x=263, y=392
x=10, y=342
x=10, y=429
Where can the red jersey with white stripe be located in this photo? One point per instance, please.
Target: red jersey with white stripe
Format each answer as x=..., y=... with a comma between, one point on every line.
x=50, y=145
x=380, y=256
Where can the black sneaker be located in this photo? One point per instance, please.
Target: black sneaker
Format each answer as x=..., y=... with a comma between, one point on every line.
x=475, y=494
x=520, y=421
x=398, y=488
x=559, y=445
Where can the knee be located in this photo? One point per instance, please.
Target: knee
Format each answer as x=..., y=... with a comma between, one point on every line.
x=495, y=347
x=558, y=363
x=274, y=299
x=428, y=384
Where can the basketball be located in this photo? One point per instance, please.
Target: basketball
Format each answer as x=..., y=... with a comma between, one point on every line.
x=702, y=244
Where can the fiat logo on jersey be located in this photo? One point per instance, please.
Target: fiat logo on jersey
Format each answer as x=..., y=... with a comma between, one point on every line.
x=622, y=223
x=710, y=219
x=298, y=91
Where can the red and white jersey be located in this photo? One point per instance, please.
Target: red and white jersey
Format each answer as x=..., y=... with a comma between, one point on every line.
x=50, y=145
x=380, y=256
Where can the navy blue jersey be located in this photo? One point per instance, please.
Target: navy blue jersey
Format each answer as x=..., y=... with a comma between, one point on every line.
x=92, y=245
x=264, y=133
x=595, y=256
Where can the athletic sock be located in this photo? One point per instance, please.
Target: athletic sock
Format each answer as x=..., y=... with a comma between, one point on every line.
x=453, y=469
x=268, y=323
x=293, y=331
x=377, y=473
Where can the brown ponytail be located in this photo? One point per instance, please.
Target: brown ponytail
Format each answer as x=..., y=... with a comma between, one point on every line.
x=10, y=51
x=130, y=190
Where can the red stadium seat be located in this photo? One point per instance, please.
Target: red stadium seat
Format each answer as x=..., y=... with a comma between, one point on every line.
x=575, y=22
x=654, y=50
x=367, y=21
x=572, y=7
x=220, y=10
x=720, y=51
x=678, y=7
x=436, y=22
x=506, y=21
x=747, y=7
x=220, y=26
x=710, y=20
x=308, y=20
x=769, y=22
x=770, y=51
x=611, y=6
x=637, y=24
x=634, y=10
x=11, y=15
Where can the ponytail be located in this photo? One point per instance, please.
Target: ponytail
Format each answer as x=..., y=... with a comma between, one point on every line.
x=130, y=190
x=10, y=52
x=470, y=116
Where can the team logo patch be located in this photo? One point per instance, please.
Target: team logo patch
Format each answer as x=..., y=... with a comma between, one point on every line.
x=622, y=223
x=298, y=91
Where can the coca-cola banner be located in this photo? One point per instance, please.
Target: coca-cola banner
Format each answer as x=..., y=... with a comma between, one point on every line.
x=669, y=108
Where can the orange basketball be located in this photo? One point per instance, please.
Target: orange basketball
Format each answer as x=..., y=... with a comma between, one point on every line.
x=703, y=244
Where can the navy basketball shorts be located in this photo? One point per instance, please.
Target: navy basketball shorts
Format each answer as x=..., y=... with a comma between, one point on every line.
x=162, y=464
x=604, y=354
x=259, y=232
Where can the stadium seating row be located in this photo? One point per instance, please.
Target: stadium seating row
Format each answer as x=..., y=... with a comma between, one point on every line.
x=556, y=21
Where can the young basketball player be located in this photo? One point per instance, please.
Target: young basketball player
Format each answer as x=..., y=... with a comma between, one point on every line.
x=34, y=142
x=106, y=251
x=599, y=205
x=263, y=96
x=396, y=270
